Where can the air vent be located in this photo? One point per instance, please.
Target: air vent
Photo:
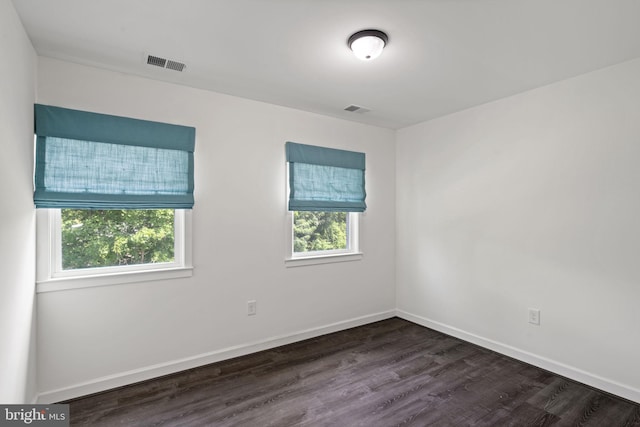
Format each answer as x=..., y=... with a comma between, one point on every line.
x=165, y=63
x=158, y=62
x=356, y=109
x=174, y=65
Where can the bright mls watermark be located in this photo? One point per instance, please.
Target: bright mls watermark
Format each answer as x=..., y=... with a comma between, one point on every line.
x=35, y=415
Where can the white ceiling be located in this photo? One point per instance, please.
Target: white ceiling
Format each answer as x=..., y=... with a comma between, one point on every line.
x=443, y=55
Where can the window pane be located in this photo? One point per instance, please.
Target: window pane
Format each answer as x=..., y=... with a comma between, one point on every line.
x=106, y=238
x=319, y=231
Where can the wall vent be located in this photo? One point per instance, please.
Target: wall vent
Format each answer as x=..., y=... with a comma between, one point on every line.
x=356, y=109
x=165, y=63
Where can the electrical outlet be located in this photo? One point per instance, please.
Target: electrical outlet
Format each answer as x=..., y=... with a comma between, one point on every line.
x=251, y=308
x=534, y=316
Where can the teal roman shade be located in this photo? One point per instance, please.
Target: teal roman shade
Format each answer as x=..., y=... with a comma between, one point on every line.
x=325, y=179
x=96, y=161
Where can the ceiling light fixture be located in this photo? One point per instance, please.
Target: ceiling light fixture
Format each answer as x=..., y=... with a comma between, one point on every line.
x=368, y=44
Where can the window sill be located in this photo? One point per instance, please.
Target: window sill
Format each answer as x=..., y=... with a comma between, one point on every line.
x=322, y=259
x=111, y=279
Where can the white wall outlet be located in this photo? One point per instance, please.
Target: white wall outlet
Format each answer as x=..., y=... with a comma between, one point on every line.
x=251, y=308
x=534, y=316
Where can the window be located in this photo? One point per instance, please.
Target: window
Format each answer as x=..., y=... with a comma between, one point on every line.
x=326, y=196
x=110, y=238
x=323, y=233
x=320, y=237
x=84, y=248
x=315, y=231
x=114, y=196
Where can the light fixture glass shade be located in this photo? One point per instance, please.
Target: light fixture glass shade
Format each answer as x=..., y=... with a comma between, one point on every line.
x=368, y=44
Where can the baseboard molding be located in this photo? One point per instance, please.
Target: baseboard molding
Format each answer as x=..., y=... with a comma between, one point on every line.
x=567, y=371
x=154, y=371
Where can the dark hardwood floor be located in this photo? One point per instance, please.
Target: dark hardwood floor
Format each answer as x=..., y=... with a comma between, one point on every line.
x=389, y=373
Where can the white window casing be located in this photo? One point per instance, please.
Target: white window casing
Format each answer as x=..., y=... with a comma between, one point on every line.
x=51, y=277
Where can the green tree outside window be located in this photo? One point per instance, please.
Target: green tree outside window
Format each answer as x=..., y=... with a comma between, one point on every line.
x=319, y=231
x=106, y=238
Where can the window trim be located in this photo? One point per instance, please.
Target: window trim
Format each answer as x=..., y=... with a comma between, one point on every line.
x=50, y=276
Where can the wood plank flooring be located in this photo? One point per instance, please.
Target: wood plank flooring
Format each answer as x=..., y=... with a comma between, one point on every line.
x=389, y=373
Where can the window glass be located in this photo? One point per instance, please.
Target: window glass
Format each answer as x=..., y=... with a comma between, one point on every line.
x=108, y=238
x=320, y=231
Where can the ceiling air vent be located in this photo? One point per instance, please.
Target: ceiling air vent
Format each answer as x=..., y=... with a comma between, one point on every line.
x=158, y=62
x=174, y=65
x=165, y=63
x=356, y=109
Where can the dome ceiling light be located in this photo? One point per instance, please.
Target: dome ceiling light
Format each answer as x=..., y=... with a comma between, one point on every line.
x=367, y=44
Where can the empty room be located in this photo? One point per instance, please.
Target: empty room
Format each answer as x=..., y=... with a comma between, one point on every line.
x=314, y=213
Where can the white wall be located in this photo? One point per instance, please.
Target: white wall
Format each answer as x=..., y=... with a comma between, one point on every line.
x=17, y=250
x=100, y=337
x=530, y=201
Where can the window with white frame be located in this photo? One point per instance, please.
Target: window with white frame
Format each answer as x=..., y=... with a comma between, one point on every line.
x=113, y=197
x=76, y=246
x=318, y=233
x=326, y=196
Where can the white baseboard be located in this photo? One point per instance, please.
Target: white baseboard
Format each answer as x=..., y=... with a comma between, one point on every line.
x=136, y=375
x=567, y=371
